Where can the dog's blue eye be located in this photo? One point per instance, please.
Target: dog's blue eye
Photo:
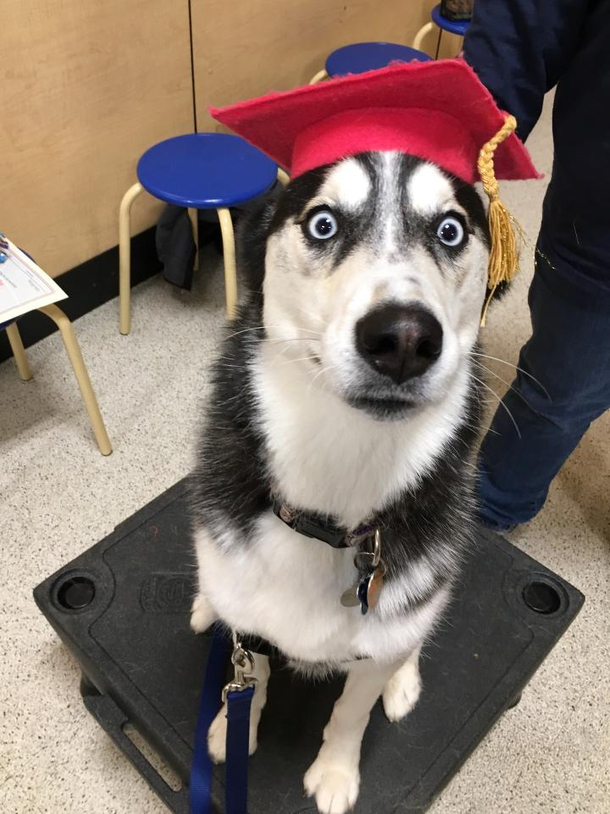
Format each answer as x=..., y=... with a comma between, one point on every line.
x=322, y=225
x=450, y=232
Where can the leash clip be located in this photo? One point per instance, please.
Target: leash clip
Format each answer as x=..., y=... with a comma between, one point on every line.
x=243, y=667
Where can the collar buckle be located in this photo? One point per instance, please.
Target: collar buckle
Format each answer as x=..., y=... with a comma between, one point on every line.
x=316, y=527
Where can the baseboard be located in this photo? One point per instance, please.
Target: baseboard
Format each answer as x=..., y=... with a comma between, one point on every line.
x=88, y=286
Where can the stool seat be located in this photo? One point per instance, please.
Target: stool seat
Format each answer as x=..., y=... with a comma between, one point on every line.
x=205, y=171
x=368, y=56
x=459, y=27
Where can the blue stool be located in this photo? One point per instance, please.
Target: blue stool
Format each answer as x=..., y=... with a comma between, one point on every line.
x=459, y=27
x=366, y=56
x=196, y=171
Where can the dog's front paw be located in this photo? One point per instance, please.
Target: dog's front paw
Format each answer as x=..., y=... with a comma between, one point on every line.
x=402, y=691
x=217, y=737
x=334, y=784
x=202, y=614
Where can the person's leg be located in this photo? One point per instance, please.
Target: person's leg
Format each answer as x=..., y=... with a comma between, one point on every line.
x=569, y=355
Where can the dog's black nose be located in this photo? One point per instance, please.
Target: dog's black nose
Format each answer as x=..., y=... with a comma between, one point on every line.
x=400, y=341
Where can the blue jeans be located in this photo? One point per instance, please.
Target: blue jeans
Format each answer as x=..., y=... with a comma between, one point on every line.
x=569, y=354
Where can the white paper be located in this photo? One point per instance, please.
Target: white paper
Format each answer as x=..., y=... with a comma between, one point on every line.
x=24, y=286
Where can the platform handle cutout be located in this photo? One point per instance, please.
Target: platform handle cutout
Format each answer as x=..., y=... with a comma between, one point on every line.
x=114, y=721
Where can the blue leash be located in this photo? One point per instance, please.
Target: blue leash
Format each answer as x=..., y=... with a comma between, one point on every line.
x=238, y=740
x=239, y=703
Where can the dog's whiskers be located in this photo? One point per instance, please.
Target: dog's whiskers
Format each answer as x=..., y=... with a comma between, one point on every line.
x=510, y=387
x=293, y=339
x=476, y=428
x=499, y=400
x=308, y=313
x=245, y=331
x=294, y=361
x=319, y=373
x=516, y=367
x=266, y=327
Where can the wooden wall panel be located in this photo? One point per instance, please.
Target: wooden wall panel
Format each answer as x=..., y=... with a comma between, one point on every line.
x=246, y=48
x=85, y=88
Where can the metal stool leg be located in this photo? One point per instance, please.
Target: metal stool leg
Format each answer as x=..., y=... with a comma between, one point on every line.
x=228, y=250
x=319, y=77
x=194, y=217
x=283, y=177
x=82, y=377
x=423, y=32
x=125, y=258
x=438, y=43
x=14, y=338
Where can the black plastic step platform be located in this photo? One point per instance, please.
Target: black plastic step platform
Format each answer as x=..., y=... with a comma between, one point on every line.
x=122, y=608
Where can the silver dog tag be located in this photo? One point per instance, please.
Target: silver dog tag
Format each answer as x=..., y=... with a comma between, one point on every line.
x=349, y=598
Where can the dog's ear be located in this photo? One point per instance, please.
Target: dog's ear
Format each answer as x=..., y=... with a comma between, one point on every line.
x=251, y=239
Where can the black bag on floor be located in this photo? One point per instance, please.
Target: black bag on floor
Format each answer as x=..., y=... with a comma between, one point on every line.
x=174, y=236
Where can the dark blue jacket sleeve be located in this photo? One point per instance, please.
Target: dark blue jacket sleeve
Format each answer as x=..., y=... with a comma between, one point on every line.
x=520, y=48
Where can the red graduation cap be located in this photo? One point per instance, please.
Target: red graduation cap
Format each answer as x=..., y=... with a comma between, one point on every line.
x=439, y=111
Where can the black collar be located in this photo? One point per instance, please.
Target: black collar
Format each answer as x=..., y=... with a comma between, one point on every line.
x=321, y=528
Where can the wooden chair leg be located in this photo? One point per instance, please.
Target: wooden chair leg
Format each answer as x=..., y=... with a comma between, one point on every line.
x=423, y=32
x=194, y=218
x=82, y=376
x=319, y=77
x=125, y=257
x=14, y=338
x=228, y=251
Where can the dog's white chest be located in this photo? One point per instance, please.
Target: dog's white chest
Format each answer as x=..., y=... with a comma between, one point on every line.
x=287, y=588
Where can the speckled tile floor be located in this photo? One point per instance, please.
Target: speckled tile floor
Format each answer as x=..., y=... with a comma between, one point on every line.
x=58, y=496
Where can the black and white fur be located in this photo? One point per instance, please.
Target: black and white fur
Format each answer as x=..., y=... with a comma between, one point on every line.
x=297, y=413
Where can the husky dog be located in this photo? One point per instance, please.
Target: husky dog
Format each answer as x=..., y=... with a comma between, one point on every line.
x=345, y=396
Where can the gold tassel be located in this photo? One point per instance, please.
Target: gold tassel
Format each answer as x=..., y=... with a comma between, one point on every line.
x=503, y=255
